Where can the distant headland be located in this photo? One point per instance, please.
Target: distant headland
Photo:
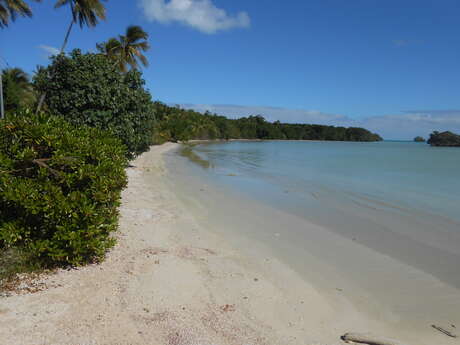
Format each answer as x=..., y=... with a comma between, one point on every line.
x=444, y=139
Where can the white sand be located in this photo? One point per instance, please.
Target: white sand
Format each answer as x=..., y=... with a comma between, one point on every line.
x=170, y=281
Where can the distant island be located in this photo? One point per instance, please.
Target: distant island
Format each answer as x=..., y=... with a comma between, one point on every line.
x=419, y=139
x=444, y=139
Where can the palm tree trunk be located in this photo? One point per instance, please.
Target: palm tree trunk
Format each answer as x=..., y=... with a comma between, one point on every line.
x=66, y=39
x=67, y=35
x=2, y=108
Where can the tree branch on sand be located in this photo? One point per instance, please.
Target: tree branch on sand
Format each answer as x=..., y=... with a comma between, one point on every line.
x=368, y=339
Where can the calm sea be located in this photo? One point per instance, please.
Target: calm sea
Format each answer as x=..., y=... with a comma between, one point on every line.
x=401, y=190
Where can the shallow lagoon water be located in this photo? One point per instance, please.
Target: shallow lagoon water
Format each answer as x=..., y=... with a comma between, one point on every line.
x=379, y=219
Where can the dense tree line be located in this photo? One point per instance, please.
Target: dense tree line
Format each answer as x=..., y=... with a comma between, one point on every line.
x=177, y=124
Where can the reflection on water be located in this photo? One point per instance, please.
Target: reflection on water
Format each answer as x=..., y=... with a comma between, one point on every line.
x=399, y=173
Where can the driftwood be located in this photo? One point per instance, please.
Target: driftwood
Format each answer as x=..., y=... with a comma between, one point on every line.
x=368, y=339
x=442, y=330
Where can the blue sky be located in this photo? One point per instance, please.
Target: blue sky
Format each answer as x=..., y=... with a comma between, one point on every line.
x=392, y=66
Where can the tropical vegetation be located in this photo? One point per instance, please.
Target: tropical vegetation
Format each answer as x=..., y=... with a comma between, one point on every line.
x=176, y=124
x=11, y=9
x=126, y=50
x=419, y=139
x=87, y=89
x=444, y=139
x=60, y=188
x=83, y=12
x=18, y=92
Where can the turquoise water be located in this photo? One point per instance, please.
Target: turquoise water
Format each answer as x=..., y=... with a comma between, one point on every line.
x=401, y=199
x=402, y=173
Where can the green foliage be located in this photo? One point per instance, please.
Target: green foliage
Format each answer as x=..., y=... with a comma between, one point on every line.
x=17, y=90
x=444, y=139
x=10, y=9
x=176, y=124
x=127, y=49
x=419, y=139
x=87, y=89
x=59, y=189
x=84, y=12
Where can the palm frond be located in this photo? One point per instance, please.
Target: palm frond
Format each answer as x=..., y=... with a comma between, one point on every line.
x=126, y=49
x=11, y=9
x=84, y=12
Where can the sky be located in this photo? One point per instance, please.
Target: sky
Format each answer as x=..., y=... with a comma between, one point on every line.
x=390, y=66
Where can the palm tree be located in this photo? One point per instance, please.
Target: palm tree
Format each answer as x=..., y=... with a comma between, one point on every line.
x=127, y=49
x=10, y=9
x=17, y=90
x=85, y=12
x=111, y=48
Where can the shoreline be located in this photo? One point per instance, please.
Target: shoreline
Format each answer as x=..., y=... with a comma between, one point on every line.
x=171, y=280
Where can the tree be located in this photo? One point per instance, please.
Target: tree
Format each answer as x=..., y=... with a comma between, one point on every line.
x=87, y=89
x=127, y=49
x=17, y=90
x=444, y=139
x=177, y=124
x=85, y=12
x=10, y=9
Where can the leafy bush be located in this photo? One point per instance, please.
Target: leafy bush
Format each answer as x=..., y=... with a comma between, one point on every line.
x=88, y=89
x=59, y=189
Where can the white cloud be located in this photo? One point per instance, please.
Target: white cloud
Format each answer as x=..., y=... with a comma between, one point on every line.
x=202, y=15
x=49, y=50
x=395, y=126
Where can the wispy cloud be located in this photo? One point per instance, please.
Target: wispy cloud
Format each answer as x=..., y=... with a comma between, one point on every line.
x=405, y=125
x=404, y=43
x=270, y=113
x=411, y=124
x=201, y=15
x=49, y=50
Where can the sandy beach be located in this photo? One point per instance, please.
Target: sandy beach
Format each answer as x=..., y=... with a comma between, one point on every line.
x=171, y=280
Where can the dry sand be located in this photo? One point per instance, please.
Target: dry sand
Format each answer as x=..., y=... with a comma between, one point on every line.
x=170, y=281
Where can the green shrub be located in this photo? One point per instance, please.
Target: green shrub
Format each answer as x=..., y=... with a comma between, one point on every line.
x=59, y=189
x=88, y=89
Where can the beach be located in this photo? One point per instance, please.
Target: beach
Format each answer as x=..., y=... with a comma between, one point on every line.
x=180, y=275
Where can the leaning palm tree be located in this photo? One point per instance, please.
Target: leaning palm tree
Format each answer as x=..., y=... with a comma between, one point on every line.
x=126, y=50
x=84, y=12
x=10, y=9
